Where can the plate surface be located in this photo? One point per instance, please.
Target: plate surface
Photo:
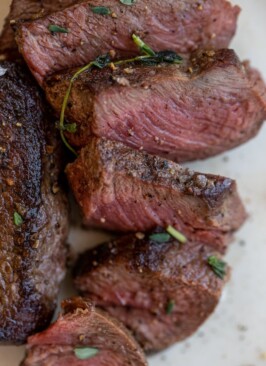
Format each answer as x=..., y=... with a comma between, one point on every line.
x=236, y=334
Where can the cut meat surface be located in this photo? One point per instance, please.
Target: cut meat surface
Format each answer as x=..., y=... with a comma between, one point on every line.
x=182, y=26
x=25, y=10
x=33, y=208
x=82, y=326
x=161, y=291
x=122, y=189
x=199, y=109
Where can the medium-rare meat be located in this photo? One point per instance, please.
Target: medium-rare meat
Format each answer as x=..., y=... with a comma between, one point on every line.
x=33, y=208
x=181, y=26
x=162, y=291
x=122, y=189
x=83, y=336
x=25, y=10
x=199, y=109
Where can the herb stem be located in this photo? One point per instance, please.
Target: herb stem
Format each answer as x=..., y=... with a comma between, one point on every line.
x=176, y=234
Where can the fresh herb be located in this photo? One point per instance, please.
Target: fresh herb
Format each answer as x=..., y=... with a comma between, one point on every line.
x=160, y=237
x=170, y=307
x=149, y=57
x=218, y=266
x=85, y=353
x=144, y=48
x=102, y=10
x=70, y=127
x=176, y=234
x=2, y=71
x=57, y=29
x=128, y=2
x=18, y=220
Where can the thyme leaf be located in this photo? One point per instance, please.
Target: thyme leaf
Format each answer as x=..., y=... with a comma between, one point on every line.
x=218, y=266
x=70, y=127
x=85, y=353
x=170, y=307
x=53, y=28
x=176, y=234
x=160, y=237
x=18, y=220
x=102, y=10
x=128, y=2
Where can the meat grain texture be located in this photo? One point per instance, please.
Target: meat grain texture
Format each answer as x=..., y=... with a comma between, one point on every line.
x=23, y=10
x=126, y=190
x=33, y=209
x=161, y=291
x=181, y=26
x=201, y=108
x=80, y=326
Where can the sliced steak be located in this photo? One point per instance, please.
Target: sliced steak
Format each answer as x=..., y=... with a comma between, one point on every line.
x=122, y=189
x=182, y=26
x=204, y=107
x=33, y=208
x=162, y=291
x=25, y=10
x=79, y=327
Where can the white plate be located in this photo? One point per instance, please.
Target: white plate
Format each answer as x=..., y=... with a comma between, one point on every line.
x=236, y=334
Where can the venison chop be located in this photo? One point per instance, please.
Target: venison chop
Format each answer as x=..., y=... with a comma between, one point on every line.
x=181, y=26
x=82, y=326
x=161, y=291
x=33, y=208
x=126, y=190
x=183, y=112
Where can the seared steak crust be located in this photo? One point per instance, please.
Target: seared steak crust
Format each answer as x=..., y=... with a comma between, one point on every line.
x=82, y=325
x=29, y=173
x=162, y=292
x=26, y=10
x=122, y=189
x=202, y=108
x=182, y=26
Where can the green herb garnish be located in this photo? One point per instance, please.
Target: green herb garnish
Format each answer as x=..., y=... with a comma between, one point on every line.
x=57, y=29
x=218, y=266
x=160, y=237
x=149, y=57
x=176, y=234
x=70, y=127
x=143, y=46
x=102, y=10
x=18, y=220
x=170, y=307
x=128, y=2
x=85, y=353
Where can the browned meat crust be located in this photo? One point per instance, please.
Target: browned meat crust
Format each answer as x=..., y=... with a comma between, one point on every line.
x=161, y=292
x=32, y=252
x=122, y=189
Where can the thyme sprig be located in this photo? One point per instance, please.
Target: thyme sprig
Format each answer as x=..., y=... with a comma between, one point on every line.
x=148, y=57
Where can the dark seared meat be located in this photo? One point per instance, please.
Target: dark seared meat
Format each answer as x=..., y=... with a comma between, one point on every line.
x=29, y=184
x=122, y=189
x=180, y=25
x=25, y=10
x=162, y=292
x=82, y=325
x=193, y=111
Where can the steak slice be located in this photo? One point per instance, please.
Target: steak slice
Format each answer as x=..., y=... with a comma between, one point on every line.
x=207, y=106
x=161, y=291
x=82, y=326
x=33, y=208
x=127, y=190
x=182, y=26
x=25, y=10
